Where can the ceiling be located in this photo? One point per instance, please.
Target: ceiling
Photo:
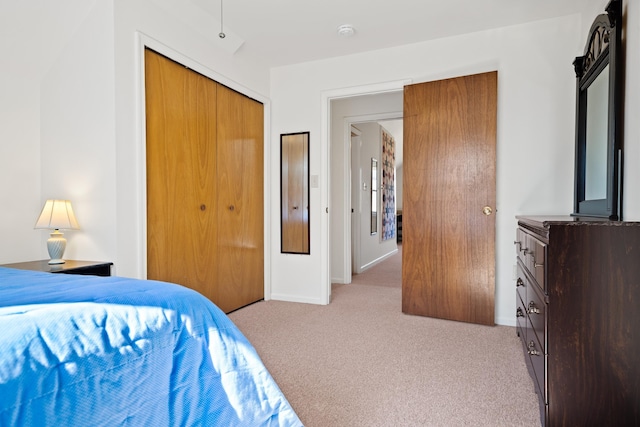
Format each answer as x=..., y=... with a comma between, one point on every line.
x=283, y=32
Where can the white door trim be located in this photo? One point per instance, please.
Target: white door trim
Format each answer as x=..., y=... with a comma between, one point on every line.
x=325, y=167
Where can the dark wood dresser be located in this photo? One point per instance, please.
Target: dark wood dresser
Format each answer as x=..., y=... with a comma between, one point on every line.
x=578, y=316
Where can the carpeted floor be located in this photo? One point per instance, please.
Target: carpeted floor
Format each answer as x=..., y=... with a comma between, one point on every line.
x=361, y=362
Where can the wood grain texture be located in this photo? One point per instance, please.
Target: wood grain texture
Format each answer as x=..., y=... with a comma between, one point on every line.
x=449, y=176
x=592, y=334
x=593, y=330
x=205, y=208
x=240, y=200
x=295, y=190
x=181, y=170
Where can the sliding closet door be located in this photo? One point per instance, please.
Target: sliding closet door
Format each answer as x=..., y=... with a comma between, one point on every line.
x=181, y=170
x=448, y=258
x=240, y=200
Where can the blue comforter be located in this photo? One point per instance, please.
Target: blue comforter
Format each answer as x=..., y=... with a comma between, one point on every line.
x=110, y=351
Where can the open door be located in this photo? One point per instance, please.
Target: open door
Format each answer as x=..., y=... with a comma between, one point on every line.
x=448, y=263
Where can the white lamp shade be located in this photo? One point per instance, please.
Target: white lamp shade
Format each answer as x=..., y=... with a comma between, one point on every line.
x=57, y=215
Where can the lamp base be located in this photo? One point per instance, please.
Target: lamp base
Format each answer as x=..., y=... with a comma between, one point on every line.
x=56, y=245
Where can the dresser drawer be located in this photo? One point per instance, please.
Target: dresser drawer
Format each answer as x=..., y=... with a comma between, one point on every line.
x=533, y=254
x=520, y=244
x=538, y=362
x=521, y=316
x=537, y=261
x=536, y=310
x=521, y=283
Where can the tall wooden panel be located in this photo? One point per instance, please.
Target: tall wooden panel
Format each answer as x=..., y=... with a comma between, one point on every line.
x=181, y=171
x=240, y=200
x=449, y=197
x=205, y=222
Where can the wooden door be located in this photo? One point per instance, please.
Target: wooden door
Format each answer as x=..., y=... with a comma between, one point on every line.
x=181, y=175
x=448, y=258
x=240, y=199
x=205, y=215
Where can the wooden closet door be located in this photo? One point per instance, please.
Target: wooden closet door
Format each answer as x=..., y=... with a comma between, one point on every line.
x=181, y=175
x=240, y=200
x=448, y=262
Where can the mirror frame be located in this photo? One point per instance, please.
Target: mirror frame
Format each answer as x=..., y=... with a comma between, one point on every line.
x=603, y=48
x=374, y=197
x=295, y=232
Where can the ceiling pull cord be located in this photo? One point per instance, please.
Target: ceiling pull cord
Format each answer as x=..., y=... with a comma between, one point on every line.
x=221, y=34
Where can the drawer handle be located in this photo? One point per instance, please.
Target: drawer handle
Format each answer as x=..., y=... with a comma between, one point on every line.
x=519, y=245
x=536, y=265
x=519, y=312
x=519, y=282
x=531, y=349
x=533, y=309
x=527, y=252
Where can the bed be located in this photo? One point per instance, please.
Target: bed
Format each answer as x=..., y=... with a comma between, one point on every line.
x=112, y=351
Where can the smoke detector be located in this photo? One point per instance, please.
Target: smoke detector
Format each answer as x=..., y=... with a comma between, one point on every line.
x=346, y=30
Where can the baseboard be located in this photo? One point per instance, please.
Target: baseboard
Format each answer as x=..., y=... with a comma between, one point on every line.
x=295, y=298
x=506, y=321
x=378, y=260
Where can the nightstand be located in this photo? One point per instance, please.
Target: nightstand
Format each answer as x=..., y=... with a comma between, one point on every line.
x=95, y=268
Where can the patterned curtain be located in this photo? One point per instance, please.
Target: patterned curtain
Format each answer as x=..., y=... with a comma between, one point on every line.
x=388, y=183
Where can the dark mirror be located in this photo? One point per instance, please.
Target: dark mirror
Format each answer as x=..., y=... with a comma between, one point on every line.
x=599, y=88
x=374, y=196
x=294, y=192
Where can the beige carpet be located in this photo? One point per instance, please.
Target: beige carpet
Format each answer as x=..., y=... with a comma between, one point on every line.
x=360, y=362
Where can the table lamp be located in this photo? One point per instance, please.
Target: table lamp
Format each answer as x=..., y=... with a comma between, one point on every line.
x=57, y=215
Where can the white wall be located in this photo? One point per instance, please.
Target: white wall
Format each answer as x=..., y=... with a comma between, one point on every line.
x=631, y=38
x=77, y=133
x=19, y=132
x=535, y=126
x=33, y=35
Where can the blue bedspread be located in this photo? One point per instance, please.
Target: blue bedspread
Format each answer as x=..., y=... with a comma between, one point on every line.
x=111, y=351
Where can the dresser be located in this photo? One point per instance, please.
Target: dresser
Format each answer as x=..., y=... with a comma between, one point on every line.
x=578, y=317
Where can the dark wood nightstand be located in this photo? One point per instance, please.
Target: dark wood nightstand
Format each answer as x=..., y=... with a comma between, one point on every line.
x=94, y=268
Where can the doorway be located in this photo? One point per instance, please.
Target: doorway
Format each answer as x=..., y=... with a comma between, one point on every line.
x=374, y=233
x=345, y=111
x=340, y=232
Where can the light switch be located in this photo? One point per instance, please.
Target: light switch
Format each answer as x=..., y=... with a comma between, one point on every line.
x=314, y=181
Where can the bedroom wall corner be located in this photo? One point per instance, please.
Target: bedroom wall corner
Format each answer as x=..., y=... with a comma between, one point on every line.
x=77, y=115
x=20, y=132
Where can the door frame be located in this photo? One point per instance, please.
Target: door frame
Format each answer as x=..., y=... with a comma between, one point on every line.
x=352, y=247
x=140, y=206
x=326, y=167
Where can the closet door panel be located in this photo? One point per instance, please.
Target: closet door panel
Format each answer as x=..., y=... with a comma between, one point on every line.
x=181, y=170
x=240, y=200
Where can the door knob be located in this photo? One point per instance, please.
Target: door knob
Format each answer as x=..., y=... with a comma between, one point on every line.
x=487, y=210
